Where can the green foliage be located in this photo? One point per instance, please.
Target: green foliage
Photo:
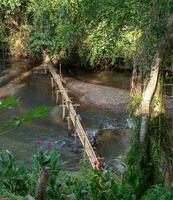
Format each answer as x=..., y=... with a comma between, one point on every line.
x=158, y=193
x=99, y=32
x=133, y=174
x=156, y=101
x=12, y=177
x=156, y=17
x=86, y=184
x=16, y=181
x=144, y=165
x=44, y=158
x=52, y=27
x=36, y=113
x=10, y=6
x=8, y=102
x=12, y=22
x=10, y=124
x=134, y=103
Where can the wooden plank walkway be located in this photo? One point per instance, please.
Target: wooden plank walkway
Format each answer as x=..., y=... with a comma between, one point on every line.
x=73, y=116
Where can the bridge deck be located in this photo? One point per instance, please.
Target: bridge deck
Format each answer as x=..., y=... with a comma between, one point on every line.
x=74, y=118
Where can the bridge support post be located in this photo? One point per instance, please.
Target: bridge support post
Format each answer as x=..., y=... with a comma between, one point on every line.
x=69, y=124
x=75, y=130
x=63, y=108
x=84, y=146
x=68, y=107
x=52, y=82
x=45, y=69
x=57, y=96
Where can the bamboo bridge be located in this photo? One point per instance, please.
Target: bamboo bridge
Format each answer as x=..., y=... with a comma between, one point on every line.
x=72, y=117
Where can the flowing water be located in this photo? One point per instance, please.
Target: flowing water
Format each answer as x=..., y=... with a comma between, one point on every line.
x=37, y=91
x=112, y=139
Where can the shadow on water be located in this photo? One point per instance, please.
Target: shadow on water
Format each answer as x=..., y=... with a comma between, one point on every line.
x=108, y=78
x=21, y=142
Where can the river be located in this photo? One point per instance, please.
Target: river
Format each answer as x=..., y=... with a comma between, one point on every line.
x=37, y=91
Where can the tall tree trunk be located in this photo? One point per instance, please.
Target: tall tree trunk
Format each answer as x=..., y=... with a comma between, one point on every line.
x=143, y=165
x=152, y=82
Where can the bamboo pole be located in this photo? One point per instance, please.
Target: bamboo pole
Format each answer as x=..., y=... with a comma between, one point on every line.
x=57, y=96
x=63, y=108
x=52, y=83
x=69, y=125
x=75, y=119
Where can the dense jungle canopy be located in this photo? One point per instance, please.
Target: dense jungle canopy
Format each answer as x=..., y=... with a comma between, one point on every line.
x=98, y=33
x=103, y=35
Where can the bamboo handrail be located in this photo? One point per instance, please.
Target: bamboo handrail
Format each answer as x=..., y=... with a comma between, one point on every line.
x=75, y=119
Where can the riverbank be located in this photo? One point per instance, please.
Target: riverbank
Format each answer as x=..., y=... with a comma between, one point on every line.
x=107, y=98
x=13, y=82
x=112, y=99
x=13, y=75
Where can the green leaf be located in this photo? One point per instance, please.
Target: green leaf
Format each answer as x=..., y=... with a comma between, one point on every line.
x=8, y=102
x=39, y=112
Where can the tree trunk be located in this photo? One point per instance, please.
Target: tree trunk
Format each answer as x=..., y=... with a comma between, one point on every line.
x=42, y=184
x=152, y=83
x=147, y=153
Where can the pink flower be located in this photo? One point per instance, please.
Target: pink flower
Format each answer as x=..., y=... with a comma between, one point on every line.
x=37, y=141
x=95, y=162
x=49, y=144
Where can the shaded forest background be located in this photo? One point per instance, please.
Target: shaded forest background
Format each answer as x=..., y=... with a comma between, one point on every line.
x=97, y=34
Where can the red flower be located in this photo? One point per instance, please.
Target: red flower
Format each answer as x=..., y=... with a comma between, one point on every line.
x=37, y=141
x=100, y=166
x=95, y=162
x=49, y=144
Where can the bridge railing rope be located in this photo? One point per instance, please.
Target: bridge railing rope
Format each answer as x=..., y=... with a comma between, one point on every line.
x=74, y=117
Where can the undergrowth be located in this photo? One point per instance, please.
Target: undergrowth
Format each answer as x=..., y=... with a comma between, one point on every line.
x=16, y=181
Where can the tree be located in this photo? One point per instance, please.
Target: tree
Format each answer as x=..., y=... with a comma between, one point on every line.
x=152, y=163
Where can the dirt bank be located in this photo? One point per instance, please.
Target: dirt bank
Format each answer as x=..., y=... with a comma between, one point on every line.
x=108, y=98
x=13, y=82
